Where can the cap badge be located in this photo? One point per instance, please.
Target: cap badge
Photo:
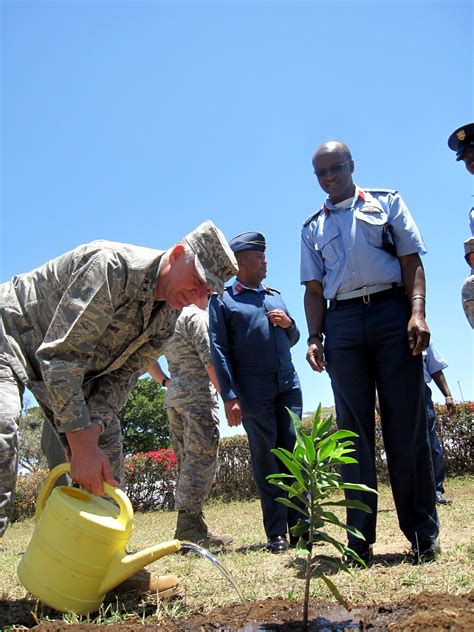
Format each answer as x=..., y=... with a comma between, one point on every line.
x=461, y=135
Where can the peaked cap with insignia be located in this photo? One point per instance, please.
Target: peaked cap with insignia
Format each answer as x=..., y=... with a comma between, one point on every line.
x=248, y=241
x=462, y=140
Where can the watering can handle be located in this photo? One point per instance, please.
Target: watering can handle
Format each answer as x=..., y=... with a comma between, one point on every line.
x=126, y=512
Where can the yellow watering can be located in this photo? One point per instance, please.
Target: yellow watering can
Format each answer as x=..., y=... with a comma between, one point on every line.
x=77, y=551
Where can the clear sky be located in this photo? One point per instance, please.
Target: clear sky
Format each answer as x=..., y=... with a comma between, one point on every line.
x=135, y=121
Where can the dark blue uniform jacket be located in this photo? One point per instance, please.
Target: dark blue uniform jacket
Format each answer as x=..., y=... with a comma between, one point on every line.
x=243, y=340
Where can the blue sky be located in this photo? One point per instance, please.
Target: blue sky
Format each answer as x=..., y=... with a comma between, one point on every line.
x=135, y=121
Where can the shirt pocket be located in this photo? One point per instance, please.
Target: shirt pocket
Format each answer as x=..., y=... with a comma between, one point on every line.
x=371, y=225
x=329, y=244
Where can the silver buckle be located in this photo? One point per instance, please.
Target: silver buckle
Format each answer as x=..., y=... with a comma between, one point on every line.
x=365, y=295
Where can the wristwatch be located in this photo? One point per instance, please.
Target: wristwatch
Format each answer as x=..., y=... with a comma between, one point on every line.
x=312, y=337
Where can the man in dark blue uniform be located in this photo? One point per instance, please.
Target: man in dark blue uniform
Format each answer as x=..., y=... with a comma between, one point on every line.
x=360, y=253
x=462, y=142
x=251, y=333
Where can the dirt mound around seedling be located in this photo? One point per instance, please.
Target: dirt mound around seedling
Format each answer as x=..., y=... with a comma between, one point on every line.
x=425, y=611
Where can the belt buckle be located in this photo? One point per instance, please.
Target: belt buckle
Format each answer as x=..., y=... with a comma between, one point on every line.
x=365, y=295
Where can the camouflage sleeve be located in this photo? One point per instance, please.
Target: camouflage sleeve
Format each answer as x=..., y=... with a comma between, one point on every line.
x=82, y=315
x=197, y=328
x=111, y=395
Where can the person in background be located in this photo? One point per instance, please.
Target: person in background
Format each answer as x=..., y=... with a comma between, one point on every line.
x=462, y=142
x=251, y=334
x=365, y=309
x=77, y=331
x=433, y=365
x=193, y=415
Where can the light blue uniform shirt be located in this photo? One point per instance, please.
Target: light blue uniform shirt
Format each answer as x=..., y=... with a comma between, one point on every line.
x=433, y=362
x=342, y=247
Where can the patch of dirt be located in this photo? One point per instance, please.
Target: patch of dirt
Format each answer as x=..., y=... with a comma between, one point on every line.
x=425, y=611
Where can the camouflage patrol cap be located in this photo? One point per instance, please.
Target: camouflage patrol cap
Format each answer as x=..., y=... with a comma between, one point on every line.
x=214, y=260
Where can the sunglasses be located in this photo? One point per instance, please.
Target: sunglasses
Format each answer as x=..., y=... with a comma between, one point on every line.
x=320, y=173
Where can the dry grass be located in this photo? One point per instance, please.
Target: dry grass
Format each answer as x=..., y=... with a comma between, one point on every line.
x=260, y=575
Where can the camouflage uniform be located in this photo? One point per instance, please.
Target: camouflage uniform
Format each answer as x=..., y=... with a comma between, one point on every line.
x=78, y=332
x=192, y=406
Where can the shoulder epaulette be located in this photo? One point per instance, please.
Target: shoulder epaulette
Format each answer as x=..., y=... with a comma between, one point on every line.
x=377, y=190
x=227, y=288
x=311, y=217
x=271, y=289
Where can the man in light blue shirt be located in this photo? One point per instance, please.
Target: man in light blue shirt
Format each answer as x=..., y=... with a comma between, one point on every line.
x=365, y=293
x=433, y=365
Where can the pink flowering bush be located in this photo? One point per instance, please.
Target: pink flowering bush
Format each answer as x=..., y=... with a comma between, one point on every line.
x=150, y=479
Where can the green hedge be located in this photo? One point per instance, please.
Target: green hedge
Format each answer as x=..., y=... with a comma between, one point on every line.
x=150, y=477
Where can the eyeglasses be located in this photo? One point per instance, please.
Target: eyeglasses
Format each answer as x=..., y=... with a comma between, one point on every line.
x=332, y=170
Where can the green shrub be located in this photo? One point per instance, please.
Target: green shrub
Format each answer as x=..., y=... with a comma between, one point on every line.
x=456, y=438
x=150, y=479
x=234, y=479
x=27, y=490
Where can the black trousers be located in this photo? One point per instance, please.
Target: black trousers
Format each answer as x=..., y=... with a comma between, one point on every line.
x=439, y=464
x=367, y=347
x=264, y=399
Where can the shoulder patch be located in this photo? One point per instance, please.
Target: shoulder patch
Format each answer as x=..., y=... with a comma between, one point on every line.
x=377, y=190
x=271, y=289
x=311, y=217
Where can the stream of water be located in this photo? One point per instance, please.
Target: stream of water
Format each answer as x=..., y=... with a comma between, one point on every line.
x=195, y=548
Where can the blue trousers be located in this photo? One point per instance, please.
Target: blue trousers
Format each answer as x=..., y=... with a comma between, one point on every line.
x=439, y=464
x=264, y=399
x=367, y=347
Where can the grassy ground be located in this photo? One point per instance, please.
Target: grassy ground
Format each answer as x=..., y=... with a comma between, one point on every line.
x=260, y=575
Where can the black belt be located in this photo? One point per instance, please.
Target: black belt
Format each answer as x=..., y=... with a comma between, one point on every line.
x=376, y=296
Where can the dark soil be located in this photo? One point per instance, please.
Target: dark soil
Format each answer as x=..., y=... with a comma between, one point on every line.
x=425, y=611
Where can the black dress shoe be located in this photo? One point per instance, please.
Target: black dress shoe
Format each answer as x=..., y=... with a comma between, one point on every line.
x=441, y=500
x=277, y=544
x=425, y=551
x=363, y=550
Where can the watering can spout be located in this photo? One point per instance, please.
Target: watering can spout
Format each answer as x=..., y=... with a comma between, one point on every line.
x=121, y=568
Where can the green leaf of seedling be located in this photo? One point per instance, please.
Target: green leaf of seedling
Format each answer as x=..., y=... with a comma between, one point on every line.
x=334, y=562
x=352, y=504
x=300, y=528
x=316, y=421
x=326, y=450
x=359, y=487
x=326, y=426
x=332, y=587
x=356, y=556
x=310, y=451
x=291, y=466
x=280, y=475
x=325, y=537
x=356, y=532
x=343, y=434
x=288, y=503
x=347, y=459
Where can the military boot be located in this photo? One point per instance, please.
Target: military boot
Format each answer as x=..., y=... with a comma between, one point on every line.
x=145, y=582
x=217, y=539
x=191, y=528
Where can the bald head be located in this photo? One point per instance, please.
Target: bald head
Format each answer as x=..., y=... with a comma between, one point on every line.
x=333, y=166
x=333, y=147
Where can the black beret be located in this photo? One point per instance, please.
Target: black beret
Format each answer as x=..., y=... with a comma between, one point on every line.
x=248, y=241
x=462, y=140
